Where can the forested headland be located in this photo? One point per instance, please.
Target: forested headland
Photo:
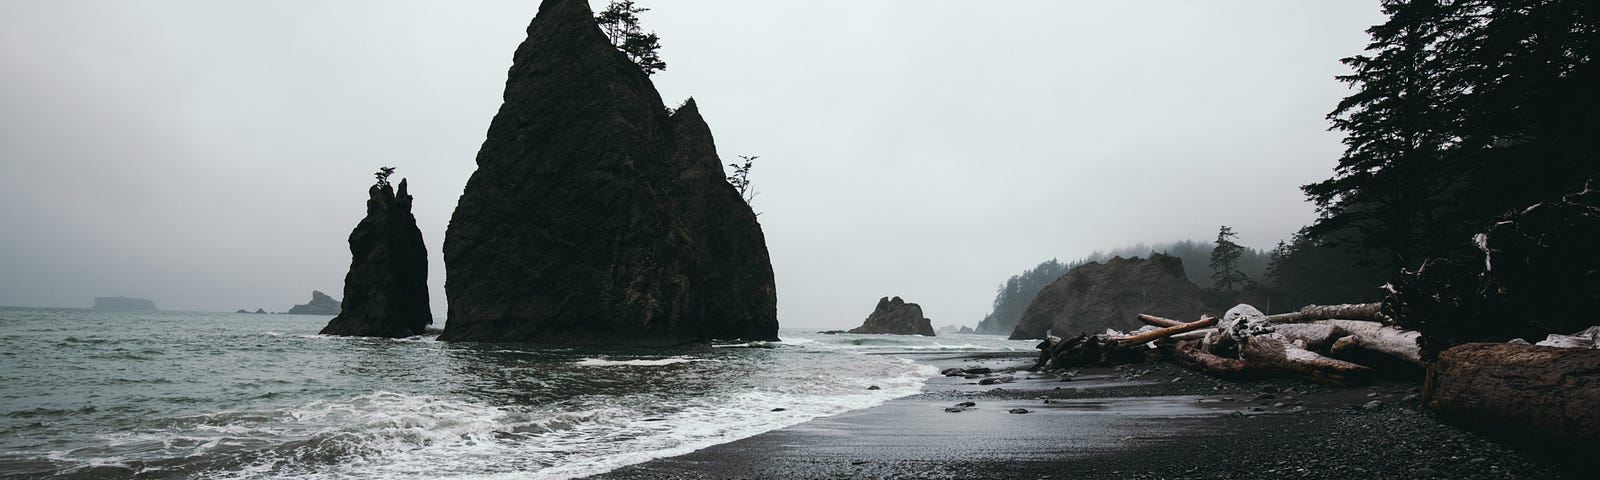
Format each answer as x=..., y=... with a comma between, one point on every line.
x=1460, y=113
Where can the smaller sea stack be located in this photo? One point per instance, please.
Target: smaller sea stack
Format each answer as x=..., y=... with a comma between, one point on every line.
x=386, y=291
x=895, y=316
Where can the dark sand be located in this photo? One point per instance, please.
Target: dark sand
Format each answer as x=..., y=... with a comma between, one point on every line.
x=1129, y=422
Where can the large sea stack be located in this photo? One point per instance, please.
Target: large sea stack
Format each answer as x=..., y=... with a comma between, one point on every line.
x=1096, y=296
x=386, y=290
x=895, y=316
x=597, y=216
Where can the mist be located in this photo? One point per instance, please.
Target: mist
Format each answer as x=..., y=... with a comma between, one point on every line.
x=214, y=156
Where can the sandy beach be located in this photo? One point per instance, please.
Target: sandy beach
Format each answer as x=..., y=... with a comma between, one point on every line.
x=1144, y=421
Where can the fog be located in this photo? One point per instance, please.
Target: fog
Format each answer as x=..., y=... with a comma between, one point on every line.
x=215, y=155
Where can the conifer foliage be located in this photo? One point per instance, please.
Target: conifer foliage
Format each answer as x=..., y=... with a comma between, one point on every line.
x=620, y=21
x=1460, y=111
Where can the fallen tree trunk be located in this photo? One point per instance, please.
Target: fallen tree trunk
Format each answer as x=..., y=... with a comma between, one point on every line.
x=1372, y=312
x=1314, y=337
x=1532, y=393
x=1167, y=332
x=1274, y=353
x=1191, y=355
x=1376, y=337
x=1159, y=321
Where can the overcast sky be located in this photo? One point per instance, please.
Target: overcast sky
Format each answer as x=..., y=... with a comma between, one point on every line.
x=215, y=155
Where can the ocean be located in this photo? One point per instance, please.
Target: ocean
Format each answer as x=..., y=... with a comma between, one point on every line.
x=107, y=394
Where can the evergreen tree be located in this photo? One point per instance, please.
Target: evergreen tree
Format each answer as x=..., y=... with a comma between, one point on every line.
x=1462, y=110
x=1225, y=261
x=1396, y=134
x=620, y=21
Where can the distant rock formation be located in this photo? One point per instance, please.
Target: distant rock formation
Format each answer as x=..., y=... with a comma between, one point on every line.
x=124, y=303
x=1096, y=296
x=895, y=316
x=320, y=304
x=596, y=216
x=258, y=311
x=386, y=290
x=966, y=329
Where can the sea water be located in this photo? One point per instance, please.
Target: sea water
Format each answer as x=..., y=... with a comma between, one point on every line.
x=101, y=394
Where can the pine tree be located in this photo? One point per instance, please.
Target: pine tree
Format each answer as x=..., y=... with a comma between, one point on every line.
x=1396, y=134
x=620, y=21
x=1225, y=261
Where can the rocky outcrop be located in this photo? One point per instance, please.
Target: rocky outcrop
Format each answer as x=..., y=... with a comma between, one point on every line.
x=124, y=303
x=1096, y=296
x=386, y=290
x=258, y=311
x=320, y=304
x=596, y=216
x=895, y=316
x=966, y=329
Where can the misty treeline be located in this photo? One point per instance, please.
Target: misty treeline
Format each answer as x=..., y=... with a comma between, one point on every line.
x=1461, y=111
x=1014, y=295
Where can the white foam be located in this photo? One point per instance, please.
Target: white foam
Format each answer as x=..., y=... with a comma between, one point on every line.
x=603, y=362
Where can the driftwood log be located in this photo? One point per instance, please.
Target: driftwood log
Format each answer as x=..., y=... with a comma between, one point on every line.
x=1528, y=392
x=1378, y=338
x=1274, y=353
x=1189, y=354
x=1159, y=321
x=1149, y=336
x=1245, y=344
x=1372, y=312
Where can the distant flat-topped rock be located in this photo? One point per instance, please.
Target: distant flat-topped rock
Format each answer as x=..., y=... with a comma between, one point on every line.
x=124, y=303
x=596, y=216
x=320, y=304
x=895, y=316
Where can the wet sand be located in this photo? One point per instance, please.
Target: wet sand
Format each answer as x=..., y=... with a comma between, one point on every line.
x=1141, y=421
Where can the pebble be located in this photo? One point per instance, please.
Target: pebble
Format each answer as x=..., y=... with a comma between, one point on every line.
x=1372, y=406
x=874, y=387
x=1018, y=410
x=1426, y=473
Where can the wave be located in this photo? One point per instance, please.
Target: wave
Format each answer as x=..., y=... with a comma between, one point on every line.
x=603, y=362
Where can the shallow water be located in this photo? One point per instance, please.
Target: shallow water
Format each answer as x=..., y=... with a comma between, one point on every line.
x=178, y=395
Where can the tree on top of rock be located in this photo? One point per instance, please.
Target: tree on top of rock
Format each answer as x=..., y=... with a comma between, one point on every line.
x=620, y=21
x=383, y=174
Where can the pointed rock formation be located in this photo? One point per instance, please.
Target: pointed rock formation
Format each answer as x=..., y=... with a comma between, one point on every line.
x=386, y=291
x=595, y=216
x=320, y=304
x=1096, y=296
x=895, y=316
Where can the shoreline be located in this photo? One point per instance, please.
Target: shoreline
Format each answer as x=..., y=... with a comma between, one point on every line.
x=1153, y=420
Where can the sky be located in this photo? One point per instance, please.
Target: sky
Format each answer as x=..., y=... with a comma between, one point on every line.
x=213, y=156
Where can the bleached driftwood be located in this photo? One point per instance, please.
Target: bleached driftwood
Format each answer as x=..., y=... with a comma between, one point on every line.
x=1245, y=344
x=1315, y=337
x=1275, y=353
x=1372, y=312
x=1145, y=337
x=1376, y=337
x=1588, y=338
